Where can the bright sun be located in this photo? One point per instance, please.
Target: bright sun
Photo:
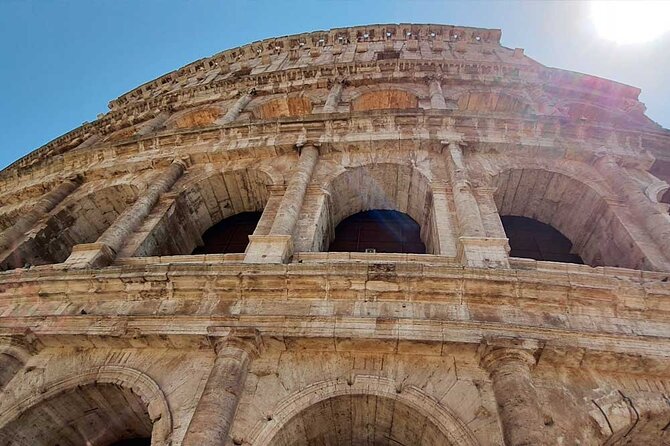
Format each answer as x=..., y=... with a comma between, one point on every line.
x=635, y=21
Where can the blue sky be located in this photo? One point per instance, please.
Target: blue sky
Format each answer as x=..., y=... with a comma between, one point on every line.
x=63, y=61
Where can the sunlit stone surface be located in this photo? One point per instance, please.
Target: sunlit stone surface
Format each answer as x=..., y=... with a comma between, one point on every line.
x=135, y=308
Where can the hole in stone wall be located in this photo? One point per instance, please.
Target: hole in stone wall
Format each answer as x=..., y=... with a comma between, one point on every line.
x=666, y=197
x=230, y=235
x=532, y=239
x=378, y=231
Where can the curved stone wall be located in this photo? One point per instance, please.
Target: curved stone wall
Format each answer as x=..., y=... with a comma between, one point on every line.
x=462, y=345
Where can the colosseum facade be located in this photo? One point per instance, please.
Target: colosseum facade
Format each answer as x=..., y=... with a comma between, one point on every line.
x=388, y=235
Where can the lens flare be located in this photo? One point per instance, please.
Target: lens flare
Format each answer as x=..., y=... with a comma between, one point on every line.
x=626, y=22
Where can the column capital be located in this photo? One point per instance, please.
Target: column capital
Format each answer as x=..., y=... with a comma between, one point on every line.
x=495, y=357
x=340, y=80
x=603, y=157
x=185, y=162
x=76, y=178
x=227, y=341
x=300, y=146
x=455, y=142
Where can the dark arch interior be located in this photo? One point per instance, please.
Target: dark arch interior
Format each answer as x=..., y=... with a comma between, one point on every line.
x=531, y=239
x=666, y=197
x=230, y=235
x=87, y=415
x=378, y=230
x=134, y=442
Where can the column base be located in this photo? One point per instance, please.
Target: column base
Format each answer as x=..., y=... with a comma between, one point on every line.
x=90, y=255
x=269, y=249
x=484, y=252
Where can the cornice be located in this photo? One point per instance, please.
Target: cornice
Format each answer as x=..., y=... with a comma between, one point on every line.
x=250, y=139
x=560, y=348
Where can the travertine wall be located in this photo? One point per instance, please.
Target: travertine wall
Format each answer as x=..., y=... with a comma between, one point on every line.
x=110, y=329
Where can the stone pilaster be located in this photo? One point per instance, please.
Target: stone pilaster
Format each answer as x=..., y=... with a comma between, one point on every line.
x=104, y=250
x=215, y=412
x=237, y=108
x=655, y=220
x=519, y=408
x=475, y=248
x=334, y=96
x=45, y=205
x=446, y=241
x=437, y=101
x=277, y=246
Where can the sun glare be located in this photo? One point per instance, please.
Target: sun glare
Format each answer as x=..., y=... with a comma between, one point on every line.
x=635, y=21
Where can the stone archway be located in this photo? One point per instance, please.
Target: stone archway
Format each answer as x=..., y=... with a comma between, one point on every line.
x=365, y=411
x=383, y=186
x=80, y=220
x=99, y=407
x=200, y=202
x=575, y=209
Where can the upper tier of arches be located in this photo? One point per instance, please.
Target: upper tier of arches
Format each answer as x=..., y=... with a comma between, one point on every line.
x=571, y=197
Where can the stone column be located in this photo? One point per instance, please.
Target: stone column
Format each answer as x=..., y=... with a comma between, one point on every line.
x=656, y=221
x=288, y=212
x=474, y=248
x=518, y=404
x=45, y=205
x=334, y=96
x=467, y=208
x=104, y=250
x=436, y=96
x=277, y=246
x=215, y=412
x=237, y=108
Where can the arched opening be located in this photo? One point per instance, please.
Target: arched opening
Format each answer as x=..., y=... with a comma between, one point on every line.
x=360, y=420
x=378, y=231
x=384, y=100
x=88, y=415
x=200, y=215
x=574, y=209
x=532, y=239
x=666, y=198
x=82, y=221
x=231, y=235
x=382, y=187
